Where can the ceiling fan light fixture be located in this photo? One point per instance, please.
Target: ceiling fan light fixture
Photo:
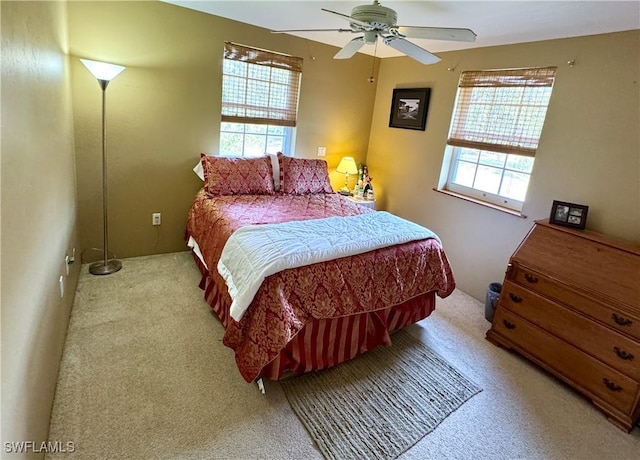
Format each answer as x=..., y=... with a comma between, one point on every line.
x=370, y=37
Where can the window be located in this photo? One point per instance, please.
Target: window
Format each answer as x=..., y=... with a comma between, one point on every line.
x=494, y=134
x=259, y=100
x=253, y=140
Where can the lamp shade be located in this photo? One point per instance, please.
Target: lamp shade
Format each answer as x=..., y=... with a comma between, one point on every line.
x=347, y=166
x=102, y=70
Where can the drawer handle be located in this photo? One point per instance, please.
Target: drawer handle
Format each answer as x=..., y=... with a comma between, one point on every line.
x=508, y=324
x=515, y=298
x=530, y=278
x=621, y=321
x=610, y=385
x=623, y=354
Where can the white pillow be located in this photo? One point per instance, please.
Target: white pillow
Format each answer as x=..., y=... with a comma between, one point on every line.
x=199, y=171
x=275, y=168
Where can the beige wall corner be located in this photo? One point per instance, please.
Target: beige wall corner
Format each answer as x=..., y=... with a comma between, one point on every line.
x=589, y=151
x=38, y=214
x=164, y=110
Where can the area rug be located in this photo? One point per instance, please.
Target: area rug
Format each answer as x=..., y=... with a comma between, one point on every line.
x=380, y=404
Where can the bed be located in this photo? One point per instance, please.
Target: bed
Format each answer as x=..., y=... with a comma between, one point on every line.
x=317, y=315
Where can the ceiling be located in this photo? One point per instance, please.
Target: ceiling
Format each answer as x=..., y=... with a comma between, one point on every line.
x=494, y=22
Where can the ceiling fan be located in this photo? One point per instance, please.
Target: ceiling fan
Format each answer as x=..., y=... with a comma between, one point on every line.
x=375, y=21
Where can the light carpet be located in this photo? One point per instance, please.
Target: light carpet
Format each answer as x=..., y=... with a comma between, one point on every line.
x=144, y=375
x=380, y=404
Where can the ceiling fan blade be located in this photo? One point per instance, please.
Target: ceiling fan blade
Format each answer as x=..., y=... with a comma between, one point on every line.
x=363, y=24
x=350, y=48
x=437, y=33
x=312, y=30
x=413, y=51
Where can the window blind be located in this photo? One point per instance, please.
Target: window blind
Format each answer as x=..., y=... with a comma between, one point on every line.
x=259, y=86
x=502, y=110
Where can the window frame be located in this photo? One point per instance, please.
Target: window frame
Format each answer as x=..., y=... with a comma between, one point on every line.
x=268, y=97
x=461, y=138
x=479, y=194
x=287, y=139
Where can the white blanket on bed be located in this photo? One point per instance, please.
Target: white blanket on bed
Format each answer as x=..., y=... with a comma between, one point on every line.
x=256, y=251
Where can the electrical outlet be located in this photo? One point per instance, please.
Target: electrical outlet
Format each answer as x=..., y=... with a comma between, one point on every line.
x=322, y=151
x=61, y=281
x=156, y=218
x=69, y=259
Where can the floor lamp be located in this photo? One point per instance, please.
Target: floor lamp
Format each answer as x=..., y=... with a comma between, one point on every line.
x=104, y=73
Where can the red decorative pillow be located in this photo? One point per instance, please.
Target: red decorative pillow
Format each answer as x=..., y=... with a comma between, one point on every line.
x=300, y=176
x=237, y=176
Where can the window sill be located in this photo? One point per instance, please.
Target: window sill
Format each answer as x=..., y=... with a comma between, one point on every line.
x=482, y=203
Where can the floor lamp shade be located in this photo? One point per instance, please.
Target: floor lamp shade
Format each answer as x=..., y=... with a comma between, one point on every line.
x=104, y=73
x=102, y=70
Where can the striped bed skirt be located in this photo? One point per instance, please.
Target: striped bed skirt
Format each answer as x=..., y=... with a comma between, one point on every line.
x=323, y=343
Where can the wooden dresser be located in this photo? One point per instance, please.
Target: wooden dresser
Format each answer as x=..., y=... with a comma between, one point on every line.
x=570, y=303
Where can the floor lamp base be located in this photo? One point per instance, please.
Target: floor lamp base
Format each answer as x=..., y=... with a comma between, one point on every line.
x=99, y=268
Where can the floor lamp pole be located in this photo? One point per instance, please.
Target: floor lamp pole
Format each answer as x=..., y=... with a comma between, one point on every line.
x=104, y=73
x=107, y=266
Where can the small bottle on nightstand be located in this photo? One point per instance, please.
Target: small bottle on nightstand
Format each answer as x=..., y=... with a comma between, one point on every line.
x=368, y=191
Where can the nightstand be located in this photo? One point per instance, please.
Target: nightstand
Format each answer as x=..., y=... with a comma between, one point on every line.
x=362, y=202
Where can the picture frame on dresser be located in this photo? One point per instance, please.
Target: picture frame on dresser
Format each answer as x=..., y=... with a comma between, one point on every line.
x=569, y=214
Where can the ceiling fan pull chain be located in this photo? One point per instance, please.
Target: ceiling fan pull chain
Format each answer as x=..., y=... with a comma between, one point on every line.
x=373, y=64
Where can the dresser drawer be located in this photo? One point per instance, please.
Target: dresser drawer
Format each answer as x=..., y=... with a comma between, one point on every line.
x=623, y=322
x=588, y=374
x=616, y=350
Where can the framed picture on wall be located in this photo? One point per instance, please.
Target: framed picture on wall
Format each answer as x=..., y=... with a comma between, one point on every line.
x=409, y=107
x=568, y=214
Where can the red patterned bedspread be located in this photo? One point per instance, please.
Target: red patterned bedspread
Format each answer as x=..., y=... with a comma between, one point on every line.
x=287, y=300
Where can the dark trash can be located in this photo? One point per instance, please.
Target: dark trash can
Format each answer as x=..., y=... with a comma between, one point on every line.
x=491, y=300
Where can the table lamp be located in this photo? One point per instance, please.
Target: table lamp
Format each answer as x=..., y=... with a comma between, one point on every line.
x=347, y=166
